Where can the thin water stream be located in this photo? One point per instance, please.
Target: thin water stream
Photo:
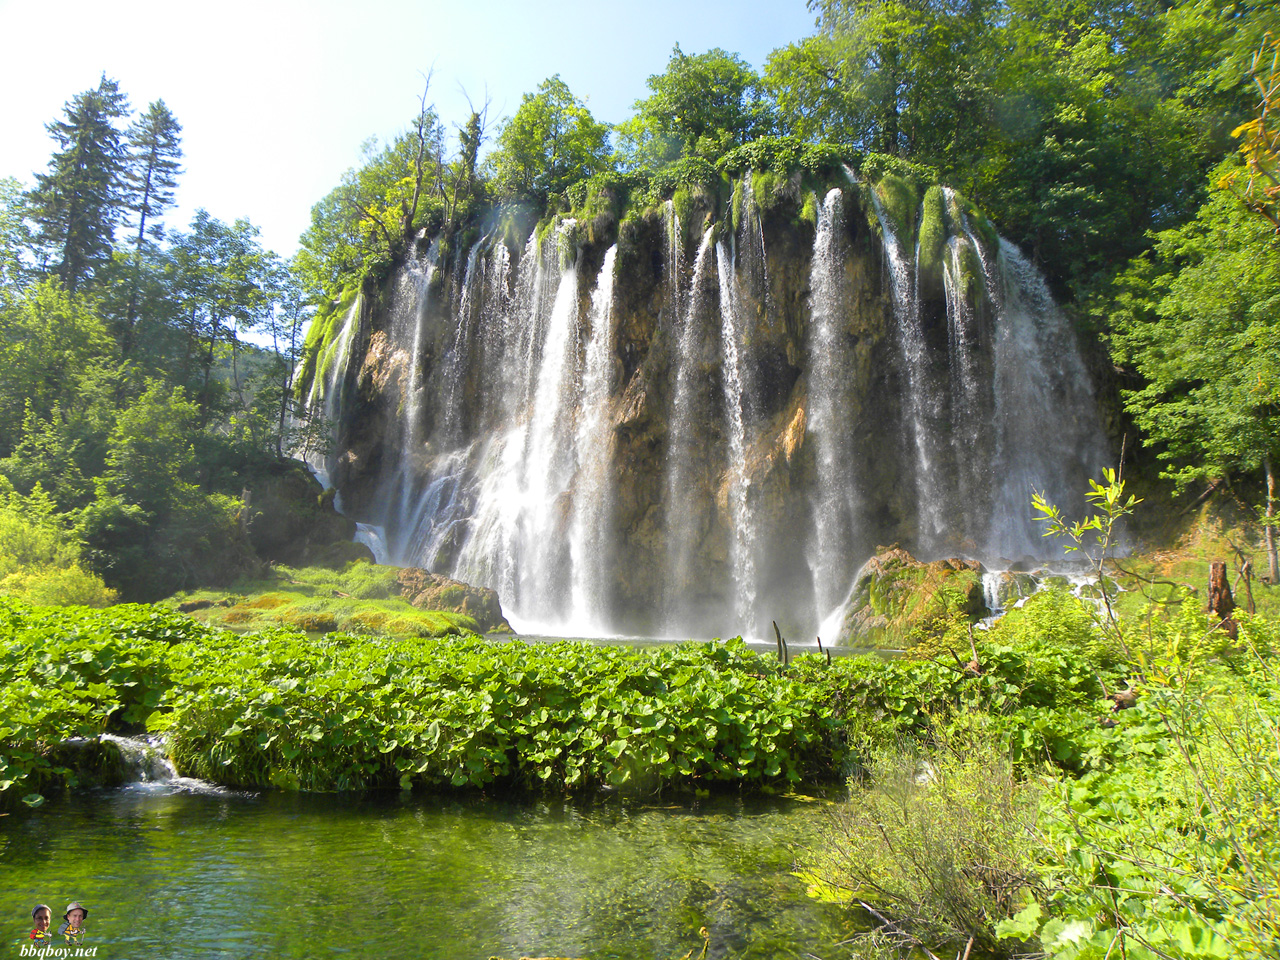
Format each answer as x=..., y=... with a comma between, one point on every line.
x=201, y=875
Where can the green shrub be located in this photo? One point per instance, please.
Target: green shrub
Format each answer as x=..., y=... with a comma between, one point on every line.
x=943, y=842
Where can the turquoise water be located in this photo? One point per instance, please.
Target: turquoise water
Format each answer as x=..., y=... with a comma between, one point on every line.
x=173, y=874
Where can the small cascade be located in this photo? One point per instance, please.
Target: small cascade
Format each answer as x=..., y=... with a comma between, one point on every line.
x=742, y=543
x=331, y=367
x=836, y=501
x=375, y=538
x=590, y=544
x=970, y=390
x=148, y=768
x=457, y=362
x=991, y=591
x=683, y=523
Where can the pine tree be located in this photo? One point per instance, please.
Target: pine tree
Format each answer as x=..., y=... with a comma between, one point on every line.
x=150, y=177
x=77, y=204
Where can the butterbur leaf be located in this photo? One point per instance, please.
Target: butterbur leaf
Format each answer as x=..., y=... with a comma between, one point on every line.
x=33, y=800
x=1023, y=925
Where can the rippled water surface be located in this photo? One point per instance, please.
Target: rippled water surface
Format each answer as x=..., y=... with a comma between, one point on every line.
x=167, y=873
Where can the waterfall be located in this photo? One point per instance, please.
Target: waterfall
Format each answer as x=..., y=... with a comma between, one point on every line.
x=737, y=481
x=331, y=366
x=1048, y=438
x=620, y=439
x=918, y=399
x=519, y=536
x=458, y=365
x=683, y=513
x=835, y=498
x=409, y=312
x=969, y=390
x=590, y=547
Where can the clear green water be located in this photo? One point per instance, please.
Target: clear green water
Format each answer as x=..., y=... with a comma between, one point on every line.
x=183, y=875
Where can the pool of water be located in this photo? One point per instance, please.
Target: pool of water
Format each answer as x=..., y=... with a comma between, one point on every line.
x=183, y=871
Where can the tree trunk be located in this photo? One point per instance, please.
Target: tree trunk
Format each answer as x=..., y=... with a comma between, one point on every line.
x=1274, y=567
x=1221, y=603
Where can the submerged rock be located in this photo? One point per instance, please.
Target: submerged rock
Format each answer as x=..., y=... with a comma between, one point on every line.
x=895, y=593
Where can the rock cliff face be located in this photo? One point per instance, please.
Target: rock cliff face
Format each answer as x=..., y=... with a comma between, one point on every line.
x=692, y=424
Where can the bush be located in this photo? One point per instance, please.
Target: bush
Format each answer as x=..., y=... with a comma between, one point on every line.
x=943, y=842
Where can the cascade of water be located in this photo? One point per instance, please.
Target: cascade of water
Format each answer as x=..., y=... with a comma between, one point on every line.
x=590, y=542
x=516, y=541
x=331, y=368
x=147, y=767
x=1048, y=438
x=742, y=543
x=969, y=389
x=408, y=320
x=374, y=537
x=457, y=362
x=835, y=498
x=914, y=357
x=495, y=334
x=683, y=529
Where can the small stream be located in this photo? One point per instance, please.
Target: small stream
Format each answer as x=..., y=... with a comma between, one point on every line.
x=181, y=869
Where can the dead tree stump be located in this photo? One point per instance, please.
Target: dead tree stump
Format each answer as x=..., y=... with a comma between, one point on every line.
x=1221, y=603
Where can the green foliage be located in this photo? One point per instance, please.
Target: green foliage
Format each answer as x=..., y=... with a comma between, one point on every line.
x=75, y=673
x=40, y=561
x=1200, y=321
x=702, y=106
x=331, y=714
x=787, y=154
x=550, y=143
x=942, y=842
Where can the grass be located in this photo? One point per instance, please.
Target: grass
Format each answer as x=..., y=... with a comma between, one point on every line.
x=357, y=599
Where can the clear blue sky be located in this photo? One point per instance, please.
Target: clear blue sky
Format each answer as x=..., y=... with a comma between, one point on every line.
x=276, y=96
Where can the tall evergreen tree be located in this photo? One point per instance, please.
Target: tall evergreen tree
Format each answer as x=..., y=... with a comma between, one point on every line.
x=150, y=176
x=77, y=204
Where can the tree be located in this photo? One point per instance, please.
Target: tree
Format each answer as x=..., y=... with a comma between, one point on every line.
x=150, y=178
x=15, y=236
x=1200, y=321
x=223, y=281
x=551, y=142
x=1260, y=143
x=77, y=204
x=703, y=106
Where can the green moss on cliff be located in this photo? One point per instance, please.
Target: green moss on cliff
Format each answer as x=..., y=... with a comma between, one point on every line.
x=319, y=347
x=899, y=200
x=933, y=233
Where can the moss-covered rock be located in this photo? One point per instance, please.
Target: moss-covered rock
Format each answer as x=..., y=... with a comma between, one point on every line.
x=431, y=591
x=895, y=594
